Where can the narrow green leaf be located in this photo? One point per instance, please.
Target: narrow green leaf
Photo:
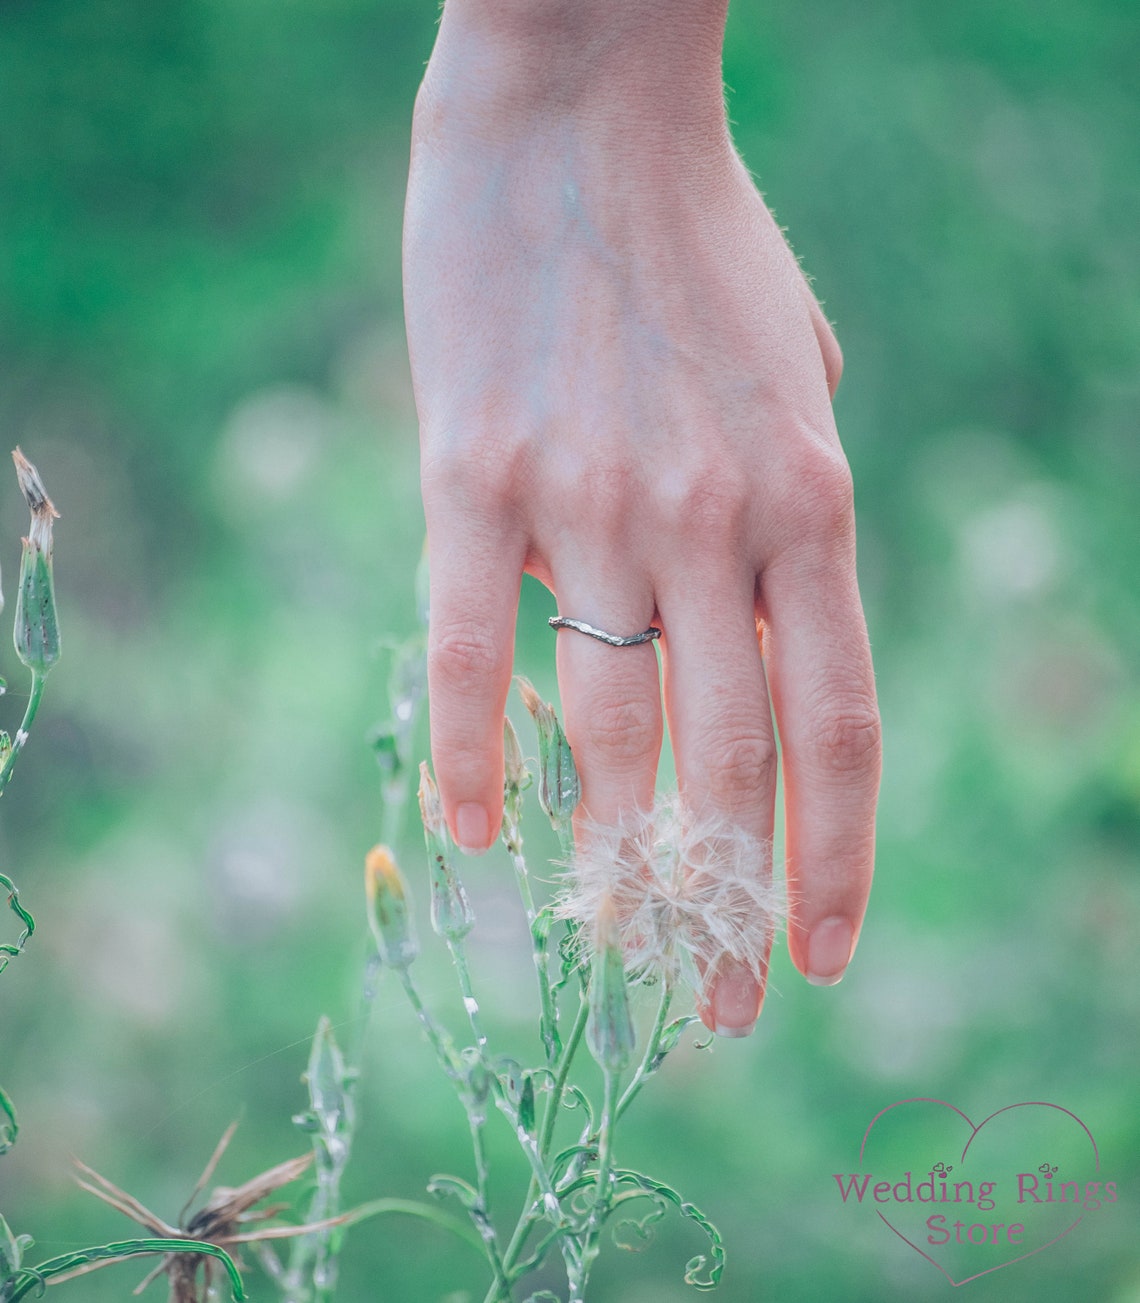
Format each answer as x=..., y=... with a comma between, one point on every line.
x=34, y=1278
x=526, y=1105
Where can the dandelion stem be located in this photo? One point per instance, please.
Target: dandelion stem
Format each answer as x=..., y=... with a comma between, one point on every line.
x=550, y=1116
x=646, y=1066
x=21, y=737
x=565, y=839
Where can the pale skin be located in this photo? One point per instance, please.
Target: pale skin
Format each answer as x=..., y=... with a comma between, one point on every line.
x=624, y=387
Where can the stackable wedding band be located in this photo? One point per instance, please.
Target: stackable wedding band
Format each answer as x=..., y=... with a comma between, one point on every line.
x=610, y=639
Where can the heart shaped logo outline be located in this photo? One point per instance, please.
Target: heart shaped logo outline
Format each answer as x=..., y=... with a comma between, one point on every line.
x=1029, y=1103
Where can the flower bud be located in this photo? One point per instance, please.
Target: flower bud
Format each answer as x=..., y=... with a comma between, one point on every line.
x=36, y=633
x=516, y=779
x=609, y=1031
x=389, y=909
x=330, y=1083
x=558, y=788
x=517, y=775
x=451, y=913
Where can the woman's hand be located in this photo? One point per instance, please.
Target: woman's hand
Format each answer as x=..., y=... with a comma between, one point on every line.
x=623, y=382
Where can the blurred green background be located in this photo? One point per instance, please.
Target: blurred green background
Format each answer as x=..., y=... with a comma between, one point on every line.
x=202, y=350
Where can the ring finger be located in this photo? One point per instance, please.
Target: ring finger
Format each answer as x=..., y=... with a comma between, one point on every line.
x=611, y=696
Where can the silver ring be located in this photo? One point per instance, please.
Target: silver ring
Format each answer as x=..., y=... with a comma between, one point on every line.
x=610, y=639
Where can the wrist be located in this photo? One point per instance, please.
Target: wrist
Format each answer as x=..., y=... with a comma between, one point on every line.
x=650, y=67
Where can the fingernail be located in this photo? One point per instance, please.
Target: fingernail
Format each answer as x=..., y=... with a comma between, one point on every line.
x=829, y=951
x=736, y=1003
x=735, y=1033
x=472, y=828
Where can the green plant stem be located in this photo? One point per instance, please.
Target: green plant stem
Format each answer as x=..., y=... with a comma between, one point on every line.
x=565, y=832
x=448, y=1059
x=394, y=800
x=546, y=1134
x=612, y=1083
x=550, y=1116
x=440, y=1040
x=470, y=1004
x=645, y=1067
x=476, y=1123
x=409, y=1207
x=540, y=1181
x=34, y=1278
x=610, y=1093
x=373, y=968
x=327, y=1243
x=9, y=1129
x=540, y=1184
x=21, y=737
x=512, y=839
x=486, y=1227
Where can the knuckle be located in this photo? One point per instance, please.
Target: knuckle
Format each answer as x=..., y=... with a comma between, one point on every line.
x=461, y=654
x=830, y=352
x=486, y=467
x=829, y=476
x=821, y=498
x=705, y=500
x=832, y=361
x=831, y=482
x=461, y=482
x=744, y=768
x=600, y=490
x=850, y=739
x=625, y=729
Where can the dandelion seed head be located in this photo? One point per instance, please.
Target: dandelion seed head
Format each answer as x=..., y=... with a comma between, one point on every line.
x=690, y=893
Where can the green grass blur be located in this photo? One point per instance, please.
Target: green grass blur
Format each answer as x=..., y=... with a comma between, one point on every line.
x=202, y=351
